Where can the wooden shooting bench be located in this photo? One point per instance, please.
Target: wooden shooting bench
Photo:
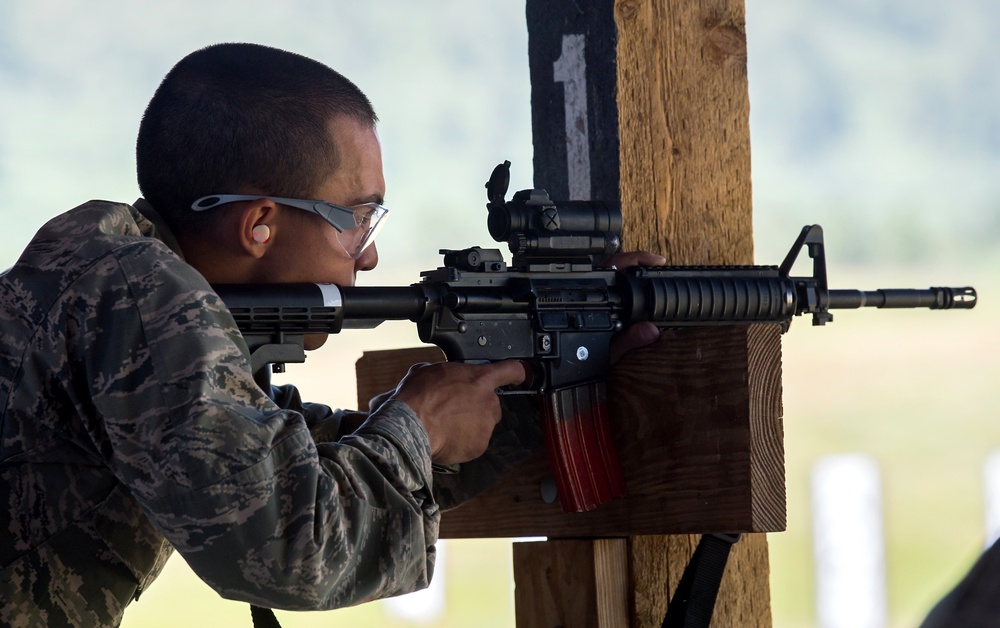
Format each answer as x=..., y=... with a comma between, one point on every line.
x=647, y=101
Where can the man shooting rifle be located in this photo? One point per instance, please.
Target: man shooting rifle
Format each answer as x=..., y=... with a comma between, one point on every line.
x=132, y=425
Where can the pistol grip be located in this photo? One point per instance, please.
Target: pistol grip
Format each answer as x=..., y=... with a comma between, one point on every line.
x=581, y=450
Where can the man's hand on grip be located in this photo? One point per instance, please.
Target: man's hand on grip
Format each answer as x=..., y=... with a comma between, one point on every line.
x=458, y=404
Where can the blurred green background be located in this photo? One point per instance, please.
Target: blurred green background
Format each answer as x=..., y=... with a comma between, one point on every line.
x=879, y=119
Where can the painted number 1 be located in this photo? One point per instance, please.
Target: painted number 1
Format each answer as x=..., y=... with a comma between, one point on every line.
x=570, y=69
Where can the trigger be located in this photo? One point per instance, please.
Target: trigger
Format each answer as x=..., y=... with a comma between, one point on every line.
x=534, y=381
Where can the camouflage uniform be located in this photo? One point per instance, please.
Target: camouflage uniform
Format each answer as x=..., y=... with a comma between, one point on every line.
x=131, y=425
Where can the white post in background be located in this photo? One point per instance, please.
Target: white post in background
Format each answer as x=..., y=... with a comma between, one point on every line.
x=848, y=543
x=426, y=606
x=991, y=497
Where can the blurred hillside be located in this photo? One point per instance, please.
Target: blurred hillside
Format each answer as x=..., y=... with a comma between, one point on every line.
x=879, y=119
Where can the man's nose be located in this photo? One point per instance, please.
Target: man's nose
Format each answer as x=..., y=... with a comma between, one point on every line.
x=368, y=259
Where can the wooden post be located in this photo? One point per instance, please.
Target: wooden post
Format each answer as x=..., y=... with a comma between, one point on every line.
x=572, y=583
x=680, y=128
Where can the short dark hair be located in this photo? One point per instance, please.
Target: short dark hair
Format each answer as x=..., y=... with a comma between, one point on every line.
x=236, y=116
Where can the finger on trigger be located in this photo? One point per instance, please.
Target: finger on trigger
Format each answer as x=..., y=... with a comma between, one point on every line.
x=507, y=373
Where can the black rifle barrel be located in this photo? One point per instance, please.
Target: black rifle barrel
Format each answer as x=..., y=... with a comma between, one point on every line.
x=933, y=298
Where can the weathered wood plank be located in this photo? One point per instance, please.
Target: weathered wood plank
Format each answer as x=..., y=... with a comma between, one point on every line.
x=574, y=582
x=656, y=564
x=688, y=466
x=683, y=114
x=380, y=371
x=612, y=582
x=686, y=192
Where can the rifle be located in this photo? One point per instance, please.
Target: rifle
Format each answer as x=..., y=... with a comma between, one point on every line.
x=556, y=309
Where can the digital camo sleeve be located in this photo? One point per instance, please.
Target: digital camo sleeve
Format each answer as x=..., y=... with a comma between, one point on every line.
x=325, y=423
x=516, y=437
x=259, y=510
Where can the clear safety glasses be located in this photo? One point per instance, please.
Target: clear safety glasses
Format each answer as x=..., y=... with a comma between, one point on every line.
x=357, y=225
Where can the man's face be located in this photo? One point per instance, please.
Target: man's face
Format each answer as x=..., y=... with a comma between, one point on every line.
x=309, y=248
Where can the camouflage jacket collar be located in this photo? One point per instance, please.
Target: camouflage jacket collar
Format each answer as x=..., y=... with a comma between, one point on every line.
x=160, y=230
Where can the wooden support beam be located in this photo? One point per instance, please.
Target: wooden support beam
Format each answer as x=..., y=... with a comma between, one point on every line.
x=574, y=582
x=684, y=124
x=656, y=564
x=699, y=442
x=686, y=192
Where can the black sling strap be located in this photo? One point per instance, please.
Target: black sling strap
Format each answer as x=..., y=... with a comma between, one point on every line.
x=694, y=600
x=263, y=617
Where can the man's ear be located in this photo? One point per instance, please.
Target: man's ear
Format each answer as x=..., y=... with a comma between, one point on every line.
x=257, y=226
